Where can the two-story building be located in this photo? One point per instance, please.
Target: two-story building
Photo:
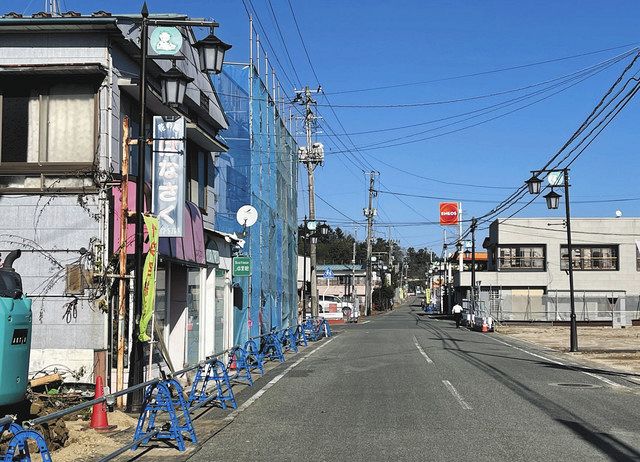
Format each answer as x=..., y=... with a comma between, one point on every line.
x=528, y=263
x=66, y=85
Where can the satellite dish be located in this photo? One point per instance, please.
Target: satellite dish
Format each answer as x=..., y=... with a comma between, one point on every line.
x=618, y=213
x=247, y=216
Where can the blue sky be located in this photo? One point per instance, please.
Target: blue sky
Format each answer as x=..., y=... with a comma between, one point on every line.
x=364, y=44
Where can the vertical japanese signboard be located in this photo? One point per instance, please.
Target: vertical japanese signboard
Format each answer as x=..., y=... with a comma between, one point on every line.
x=448, y=213
x=168, y=174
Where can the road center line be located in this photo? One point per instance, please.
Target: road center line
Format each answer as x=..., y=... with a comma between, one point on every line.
x=415, y=342
x=590, y=374
x=231, y=417
x=456, y=395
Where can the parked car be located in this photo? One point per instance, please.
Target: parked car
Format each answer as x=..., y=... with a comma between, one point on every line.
x=331, y=306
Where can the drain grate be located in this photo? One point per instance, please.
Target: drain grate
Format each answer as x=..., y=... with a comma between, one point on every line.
x=576, y=385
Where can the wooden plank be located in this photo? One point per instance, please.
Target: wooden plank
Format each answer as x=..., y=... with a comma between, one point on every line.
x=45, y=380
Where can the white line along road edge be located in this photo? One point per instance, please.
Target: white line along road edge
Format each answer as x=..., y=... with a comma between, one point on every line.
x=273, y=381
x=456, y=395
x=415, y=342
x=569, y=366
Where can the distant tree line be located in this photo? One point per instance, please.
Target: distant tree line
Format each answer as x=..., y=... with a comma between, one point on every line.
x=336, y=247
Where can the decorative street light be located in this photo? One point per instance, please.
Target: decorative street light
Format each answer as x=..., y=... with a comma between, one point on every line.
x=312, y=229
x=174, y=85
x=533, y=184
x=553, y=200
x=211, y=52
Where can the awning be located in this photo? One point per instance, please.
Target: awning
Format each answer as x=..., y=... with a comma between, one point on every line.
x=205, y=140
x=190, y=247
x=187, y=249
x=31, y=70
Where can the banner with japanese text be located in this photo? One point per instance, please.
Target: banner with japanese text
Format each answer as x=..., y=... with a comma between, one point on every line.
x=168, y=174
x=149, y=277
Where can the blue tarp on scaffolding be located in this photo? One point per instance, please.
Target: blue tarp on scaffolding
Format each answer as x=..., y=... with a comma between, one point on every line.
x=259, y=169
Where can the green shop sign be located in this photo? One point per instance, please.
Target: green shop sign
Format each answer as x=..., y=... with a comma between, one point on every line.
x=241, y=266
x=165, y=41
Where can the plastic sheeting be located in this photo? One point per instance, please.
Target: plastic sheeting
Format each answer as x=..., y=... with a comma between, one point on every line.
x=259, y=169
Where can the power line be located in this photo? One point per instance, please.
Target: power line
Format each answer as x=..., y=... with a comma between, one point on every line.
x=382, y=145
x=476, y=74
x=469, y=98
x=596, y=112
x=304, y=46
x=284, y=42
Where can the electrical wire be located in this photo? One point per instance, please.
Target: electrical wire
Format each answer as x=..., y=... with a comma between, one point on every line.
x=470, y=98
x=476, y=74
x=284, y=42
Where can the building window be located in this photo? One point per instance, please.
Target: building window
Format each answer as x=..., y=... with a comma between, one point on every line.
x=522, y=257
x=38, y=120
x=198, y=178
x=590, y=258
x=637, y=256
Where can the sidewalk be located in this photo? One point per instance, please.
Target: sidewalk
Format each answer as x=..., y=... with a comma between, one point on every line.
x=87, y=445
x=617, y=349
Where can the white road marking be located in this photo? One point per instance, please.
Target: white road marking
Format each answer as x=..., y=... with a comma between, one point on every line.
x=590, y=374
x=415, y=342
x=259, y=393
x=364, y=322
x=456, y=395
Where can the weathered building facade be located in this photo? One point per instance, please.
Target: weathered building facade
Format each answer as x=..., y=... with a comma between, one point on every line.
x=66, y=85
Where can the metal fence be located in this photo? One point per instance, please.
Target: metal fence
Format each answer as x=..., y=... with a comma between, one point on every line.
x=165, y=394
x=617, y=308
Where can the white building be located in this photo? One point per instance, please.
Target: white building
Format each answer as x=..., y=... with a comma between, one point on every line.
x=527, y=270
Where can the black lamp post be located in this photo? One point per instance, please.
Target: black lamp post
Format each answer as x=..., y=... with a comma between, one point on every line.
x=174, y=84
x=553, y=201
x=312, y=229
x=211, y=52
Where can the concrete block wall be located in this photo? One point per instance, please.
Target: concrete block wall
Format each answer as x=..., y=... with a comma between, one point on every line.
x=51, y=230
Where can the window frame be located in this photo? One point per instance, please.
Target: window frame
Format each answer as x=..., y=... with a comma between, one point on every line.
x=194, y=151
x=499, y=259
x=581, y=266
x=43, y=85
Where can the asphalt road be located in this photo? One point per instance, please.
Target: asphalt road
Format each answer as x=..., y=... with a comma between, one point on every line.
x=410, y=388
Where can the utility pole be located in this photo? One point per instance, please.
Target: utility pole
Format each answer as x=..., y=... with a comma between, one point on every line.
x=353, y=277
x=460, y=253
x=473, y=264
x=369, y=212
x=311, y=155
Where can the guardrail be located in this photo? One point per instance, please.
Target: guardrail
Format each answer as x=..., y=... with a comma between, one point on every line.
x=165, y=394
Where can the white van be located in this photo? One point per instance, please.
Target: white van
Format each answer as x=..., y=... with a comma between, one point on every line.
x=331, y=306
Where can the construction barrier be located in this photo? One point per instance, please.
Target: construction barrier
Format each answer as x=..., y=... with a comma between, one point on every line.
x=211, y=385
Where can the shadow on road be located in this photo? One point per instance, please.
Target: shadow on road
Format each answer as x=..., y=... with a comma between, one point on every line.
x=607, y=444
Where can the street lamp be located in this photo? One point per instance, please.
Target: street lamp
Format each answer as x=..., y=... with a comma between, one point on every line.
x=553, y=200
x=533, y=184
x=174, y=85
x=211, y=52
x=312, y=229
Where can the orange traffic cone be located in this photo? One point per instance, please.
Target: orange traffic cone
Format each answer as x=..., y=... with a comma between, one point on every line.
x=99, y=420
x=485, y=327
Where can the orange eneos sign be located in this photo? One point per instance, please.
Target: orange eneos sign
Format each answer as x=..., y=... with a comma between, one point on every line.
x=448, y=213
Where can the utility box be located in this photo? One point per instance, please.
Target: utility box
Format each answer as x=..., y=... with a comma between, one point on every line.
x=15, y=334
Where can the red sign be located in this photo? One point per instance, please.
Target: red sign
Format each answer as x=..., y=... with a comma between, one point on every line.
x=448, y=213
